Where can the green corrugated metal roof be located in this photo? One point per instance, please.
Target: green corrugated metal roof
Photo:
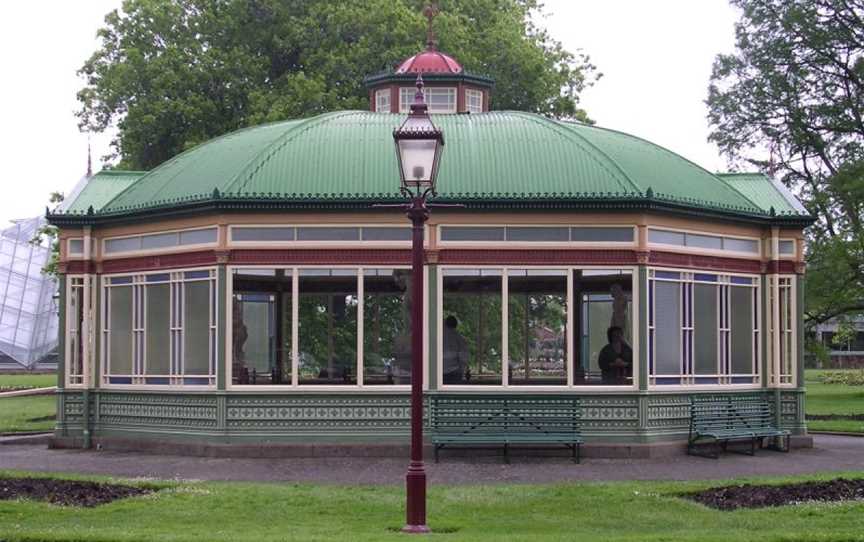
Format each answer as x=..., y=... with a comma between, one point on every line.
x=764, y=192
x=101, y=188
x=498, y=156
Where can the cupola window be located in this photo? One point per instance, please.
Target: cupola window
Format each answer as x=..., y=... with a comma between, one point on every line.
x=473, y=101
x=382, y=100
x=438, y=99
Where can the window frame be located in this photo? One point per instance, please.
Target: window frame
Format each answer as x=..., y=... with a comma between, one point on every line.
x=473, y=93
x=505, y=387
x=161, y=250
x=139, y=334
x=384, y=92
x=686, y=324
x=698, y=250
x=788, y=282
x=534, y=244
x=295, y=386
x=318, y=244
x=406, y=98
x=68, y=375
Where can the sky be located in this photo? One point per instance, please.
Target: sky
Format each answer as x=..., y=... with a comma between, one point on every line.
x=655, y=57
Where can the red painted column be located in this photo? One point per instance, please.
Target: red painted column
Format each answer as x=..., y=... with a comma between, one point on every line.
x=415, y=479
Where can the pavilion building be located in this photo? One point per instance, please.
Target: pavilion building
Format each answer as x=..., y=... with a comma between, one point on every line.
x=249, y=291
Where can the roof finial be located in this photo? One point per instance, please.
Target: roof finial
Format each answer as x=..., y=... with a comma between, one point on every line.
x=430, y=12
x=89, y=161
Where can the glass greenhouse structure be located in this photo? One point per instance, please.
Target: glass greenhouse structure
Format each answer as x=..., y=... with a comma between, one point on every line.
x=28, y=311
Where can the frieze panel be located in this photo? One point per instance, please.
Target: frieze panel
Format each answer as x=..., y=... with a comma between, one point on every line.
x=194, y=411
x=321, y=413
x=668, y=412
x=609, y=413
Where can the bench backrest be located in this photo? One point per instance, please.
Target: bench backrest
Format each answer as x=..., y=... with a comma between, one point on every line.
x=510, y=415
x=730, y=413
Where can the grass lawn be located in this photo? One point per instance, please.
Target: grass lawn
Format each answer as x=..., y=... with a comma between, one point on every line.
x=24, y=381
x=619, y=511
x=27, y=414
x=833, y=399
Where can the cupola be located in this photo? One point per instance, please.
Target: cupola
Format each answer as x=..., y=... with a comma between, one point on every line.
x=448, y=87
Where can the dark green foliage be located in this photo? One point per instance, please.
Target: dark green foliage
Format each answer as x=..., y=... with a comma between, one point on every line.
x=174, y=73
x=790, y=101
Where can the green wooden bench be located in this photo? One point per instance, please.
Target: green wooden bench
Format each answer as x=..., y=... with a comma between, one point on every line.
x=725, y=419
x=477, y=420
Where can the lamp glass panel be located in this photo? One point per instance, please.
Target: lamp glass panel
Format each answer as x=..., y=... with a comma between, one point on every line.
x=418, y=157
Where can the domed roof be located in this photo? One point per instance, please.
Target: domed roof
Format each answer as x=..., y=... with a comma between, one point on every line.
x=430, y=61
x=504, y=158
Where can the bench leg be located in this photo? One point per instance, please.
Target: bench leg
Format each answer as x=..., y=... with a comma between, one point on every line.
x=437, y=447
x=578, y=452
x=506, y=453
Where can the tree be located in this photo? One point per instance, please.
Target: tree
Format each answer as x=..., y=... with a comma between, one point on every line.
x=790, y=102
x=174, y=73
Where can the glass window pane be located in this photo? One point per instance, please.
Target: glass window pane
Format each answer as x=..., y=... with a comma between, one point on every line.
x=537, y=234
x=382, y=100
x=76, y=246
x=328, y=234
x=76, y=320
x=160, y=240
x=196, y=328
x=705, y=328
x=406, y=98
x=787, y=247
x=195, y=237
x=158, y=330
x=474, y=101
x=386, y=327
x=262, y=234
x=472, y=328
x=386, y=234
x=704, y=241
x=261, y=316
x=667, y=308
x=470, y=233
x=741, y=301
x=120, y=326
x=604, y=356
x=537, y=329
x=741, y=245
x=602, y=235
x=123, y=245
x=328, y=327
x=664, y=237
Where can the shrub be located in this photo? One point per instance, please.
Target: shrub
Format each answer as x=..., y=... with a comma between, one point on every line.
x=847, y=378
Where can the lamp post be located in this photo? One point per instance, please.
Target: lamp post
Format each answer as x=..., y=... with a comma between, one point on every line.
x=418, y=150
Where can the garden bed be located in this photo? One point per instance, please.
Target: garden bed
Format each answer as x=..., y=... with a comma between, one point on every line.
x=67, y=492
x=762, y=496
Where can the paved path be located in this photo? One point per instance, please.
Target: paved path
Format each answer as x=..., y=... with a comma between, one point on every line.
x=831, y=453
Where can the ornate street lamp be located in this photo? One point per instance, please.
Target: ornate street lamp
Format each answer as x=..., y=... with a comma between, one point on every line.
x=418, y=149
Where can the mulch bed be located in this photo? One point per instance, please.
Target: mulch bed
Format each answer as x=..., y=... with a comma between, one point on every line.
x=67, y=492
x=834, y=417
x=761, y=496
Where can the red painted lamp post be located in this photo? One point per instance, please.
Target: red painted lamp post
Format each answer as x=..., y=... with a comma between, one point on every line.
x=418, y=149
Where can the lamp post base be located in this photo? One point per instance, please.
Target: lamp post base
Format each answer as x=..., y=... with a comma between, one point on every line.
x=415, y=486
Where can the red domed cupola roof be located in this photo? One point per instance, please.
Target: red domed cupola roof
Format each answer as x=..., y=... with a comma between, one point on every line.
x=455, y=90
x=430, y=61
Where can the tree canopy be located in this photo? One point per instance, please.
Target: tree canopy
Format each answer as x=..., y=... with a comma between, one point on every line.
x=790, y=102
x=171, y=74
